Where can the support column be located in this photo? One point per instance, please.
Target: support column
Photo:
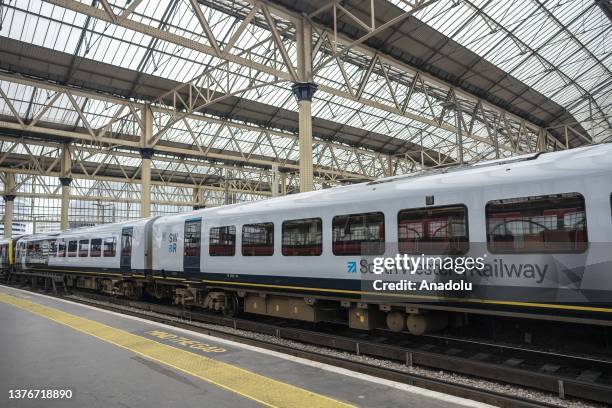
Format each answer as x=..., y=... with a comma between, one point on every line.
x=226, y=187
x=496, y=141
x=541, y=140
x=145, y=182
x=198, y=198
x=390, y=166
x=303, y=90
x=146, y=153
x=283, y=185
x=274, y=180
x=66, y=181
x=303, y=94
x=9, y=203
x=459, y=133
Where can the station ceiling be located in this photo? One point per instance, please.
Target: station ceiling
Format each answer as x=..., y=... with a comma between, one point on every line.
x=545, y=64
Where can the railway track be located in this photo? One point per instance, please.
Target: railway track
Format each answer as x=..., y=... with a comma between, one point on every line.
x=562, y=374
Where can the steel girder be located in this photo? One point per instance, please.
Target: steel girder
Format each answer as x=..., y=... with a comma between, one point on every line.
x=343, y=68
x=115, y=122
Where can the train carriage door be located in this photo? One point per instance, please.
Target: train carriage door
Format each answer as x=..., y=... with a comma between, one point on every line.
x=192, y=245
x=127, y=234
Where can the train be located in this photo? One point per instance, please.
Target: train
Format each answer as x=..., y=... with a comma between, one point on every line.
x=541, y=224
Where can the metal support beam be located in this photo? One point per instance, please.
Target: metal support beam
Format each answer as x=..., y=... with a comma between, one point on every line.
x=64, y=223
x=146, y=152
x=459, y=133
x=65, y=180
x=274, y=181
x=9, y=203
x=198, y=198
x=283, y=185
x=332, y=50
x=303, y=92
x=359, y=163
x=229, y=196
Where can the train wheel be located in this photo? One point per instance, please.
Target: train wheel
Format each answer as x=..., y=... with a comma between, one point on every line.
x=232, y=305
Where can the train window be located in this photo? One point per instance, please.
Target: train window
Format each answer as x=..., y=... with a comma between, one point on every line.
x=84, y=248
x=551, y=223
x=433, y=230
x=61, y=248
x=303, y=237
x=53, y=249
x=72, y=248
x=126, y=244
x=222, y=241
x=359, y=234
x=33, y=251
x=110, y=246
x=193, y=234
x=43, y=249
x=95, y=250
x=258, y=239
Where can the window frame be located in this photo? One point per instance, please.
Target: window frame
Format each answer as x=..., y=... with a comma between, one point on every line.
x=193, y=227
x=74, y=253
x=98, y=253
x=270, y=245
x=210, y=244
x=437, y=207
x=319, y=245
x=62, y=243
x=53, y=248
x=127, y=242
x=79, y=251
x=382, y=244
x=541, y=251
x=104, y=251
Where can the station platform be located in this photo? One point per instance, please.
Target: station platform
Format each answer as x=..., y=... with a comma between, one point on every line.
x=107, y=359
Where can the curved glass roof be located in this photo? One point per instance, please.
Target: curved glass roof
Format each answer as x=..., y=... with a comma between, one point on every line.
x=561, y=48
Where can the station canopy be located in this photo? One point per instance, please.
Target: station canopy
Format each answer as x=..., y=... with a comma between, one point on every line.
x=414, y=83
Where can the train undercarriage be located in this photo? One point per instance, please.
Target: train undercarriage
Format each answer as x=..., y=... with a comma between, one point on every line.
x=231, y=302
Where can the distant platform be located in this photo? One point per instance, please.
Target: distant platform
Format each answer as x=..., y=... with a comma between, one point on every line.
x=106, y=359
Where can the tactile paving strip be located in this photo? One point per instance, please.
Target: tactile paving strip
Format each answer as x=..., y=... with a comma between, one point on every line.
x=264, y=390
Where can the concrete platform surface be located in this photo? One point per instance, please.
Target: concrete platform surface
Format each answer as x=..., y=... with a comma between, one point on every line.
x=110, y=360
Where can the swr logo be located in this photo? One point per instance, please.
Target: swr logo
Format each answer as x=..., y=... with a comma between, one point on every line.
x=351, y=267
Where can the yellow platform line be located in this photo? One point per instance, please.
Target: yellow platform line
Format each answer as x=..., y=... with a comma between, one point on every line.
x=264, y=390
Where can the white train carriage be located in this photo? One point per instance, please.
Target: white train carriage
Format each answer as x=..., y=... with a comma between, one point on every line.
x=111, y=249
x=542, y=222
x=535, y=211
x=32, y=251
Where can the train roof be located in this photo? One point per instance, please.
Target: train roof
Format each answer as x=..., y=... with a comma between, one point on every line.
x=105, y=227
x=541, y=166
x=518, y=169
x=37, y=237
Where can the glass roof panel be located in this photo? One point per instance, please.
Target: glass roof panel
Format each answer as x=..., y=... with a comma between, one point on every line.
x=560, y=48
